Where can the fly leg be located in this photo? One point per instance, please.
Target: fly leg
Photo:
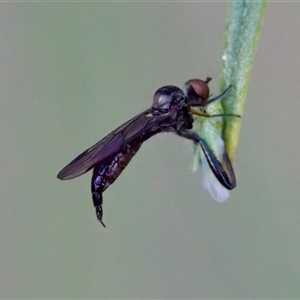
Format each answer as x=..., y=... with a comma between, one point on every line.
x=98, y=183
x=224, y=174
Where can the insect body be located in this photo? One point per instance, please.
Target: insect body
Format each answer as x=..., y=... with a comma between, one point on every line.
x=171, y=111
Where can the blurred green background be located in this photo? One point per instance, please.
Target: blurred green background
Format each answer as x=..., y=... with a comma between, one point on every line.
x=71, y=73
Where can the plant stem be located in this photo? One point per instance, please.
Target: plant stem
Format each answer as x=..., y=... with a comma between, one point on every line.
x=242, y=31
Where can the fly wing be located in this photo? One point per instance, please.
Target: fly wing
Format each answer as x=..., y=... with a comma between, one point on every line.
x=109, y=146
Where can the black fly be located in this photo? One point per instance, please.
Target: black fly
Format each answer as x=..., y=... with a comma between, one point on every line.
x=172, y=111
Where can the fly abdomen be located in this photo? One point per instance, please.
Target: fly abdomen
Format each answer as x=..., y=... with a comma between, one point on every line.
x=119, y=163
x=98, y=183
x=106, y=173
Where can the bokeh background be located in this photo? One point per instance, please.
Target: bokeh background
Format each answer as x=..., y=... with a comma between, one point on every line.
x=71, y=73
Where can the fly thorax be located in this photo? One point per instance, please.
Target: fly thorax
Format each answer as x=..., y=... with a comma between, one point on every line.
x=166, y=99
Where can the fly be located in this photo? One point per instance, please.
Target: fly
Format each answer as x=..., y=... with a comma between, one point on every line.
x=172, y=111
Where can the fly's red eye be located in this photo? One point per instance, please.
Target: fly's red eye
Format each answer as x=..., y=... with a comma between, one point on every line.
x=197, y=88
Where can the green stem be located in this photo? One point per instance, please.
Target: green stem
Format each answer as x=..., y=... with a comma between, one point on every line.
x=242, y=31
